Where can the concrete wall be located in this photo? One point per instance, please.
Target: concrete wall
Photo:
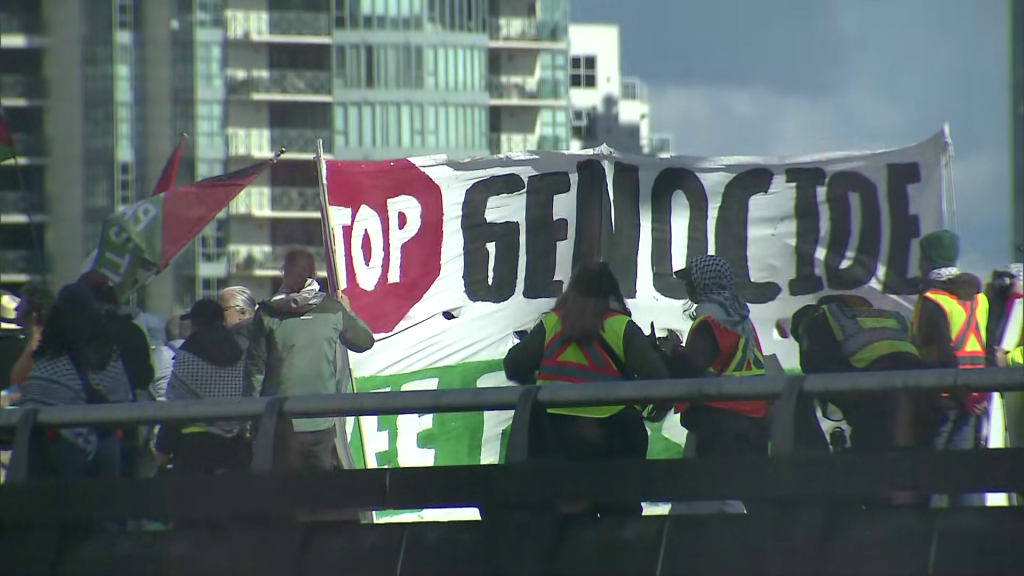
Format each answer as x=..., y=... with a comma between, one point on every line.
x=63, y=122
x=157, y=124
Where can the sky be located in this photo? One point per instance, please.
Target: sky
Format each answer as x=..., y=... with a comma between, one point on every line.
x=778, y=77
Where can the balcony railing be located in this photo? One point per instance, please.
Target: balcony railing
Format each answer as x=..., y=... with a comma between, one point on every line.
x=22, y=86
x=518, y=88
x=266, y=201
x=300, y=140
x=17, y=202
x=634, y=90
x=527, y=29
x=260, y=142
x=20, y=23
x=20, y=262
x=295, y=199
x=505, y=143
x=298, y=82
x=248, y=23
x=263, y=259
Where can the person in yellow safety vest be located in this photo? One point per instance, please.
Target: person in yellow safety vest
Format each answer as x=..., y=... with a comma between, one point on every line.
x=587, y=337
x=950, y=323
x=846, y=333
x=722, y=341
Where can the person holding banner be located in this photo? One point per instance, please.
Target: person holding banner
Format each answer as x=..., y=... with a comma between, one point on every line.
x=587, y=337
x=846, y=333
x=950, y=324
x=299, y=345
x=722, y=341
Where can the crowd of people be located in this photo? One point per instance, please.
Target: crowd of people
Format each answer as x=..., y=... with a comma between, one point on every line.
x=80, y=347
x=956, y=323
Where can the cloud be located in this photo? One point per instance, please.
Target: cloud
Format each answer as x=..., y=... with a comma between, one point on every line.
x=711, y=120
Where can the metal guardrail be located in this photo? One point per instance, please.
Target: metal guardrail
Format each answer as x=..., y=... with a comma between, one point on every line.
x=506, y=398
x=805, y=495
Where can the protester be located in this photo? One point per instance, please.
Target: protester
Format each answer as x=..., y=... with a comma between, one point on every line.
x=176, y=329
x=950, y=325
x=298, y=345
x=722, y=341
x=136, y=354
x=131, y=338
x=209, y=364
x=846, y=333
x=77, y=362
x=31, y=315
x=239, y=309
x=587, y=337
x=1003, y=291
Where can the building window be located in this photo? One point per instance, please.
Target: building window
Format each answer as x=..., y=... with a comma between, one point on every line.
x=124, y=185
x=583, y=72
x=124, y=15
x=209, y=14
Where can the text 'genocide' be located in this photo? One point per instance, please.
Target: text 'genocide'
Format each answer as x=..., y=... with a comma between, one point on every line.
x=597, y=236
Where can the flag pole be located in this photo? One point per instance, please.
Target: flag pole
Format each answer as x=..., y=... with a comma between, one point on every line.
x=327, y=227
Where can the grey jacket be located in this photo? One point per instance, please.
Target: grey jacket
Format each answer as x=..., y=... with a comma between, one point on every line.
x=298, y=344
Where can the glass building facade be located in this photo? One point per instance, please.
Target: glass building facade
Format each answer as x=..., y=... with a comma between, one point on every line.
x=372, y=79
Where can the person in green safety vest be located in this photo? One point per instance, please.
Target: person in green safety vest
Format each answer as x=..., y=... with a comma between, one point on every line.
x=588, y=337
x=846, y=333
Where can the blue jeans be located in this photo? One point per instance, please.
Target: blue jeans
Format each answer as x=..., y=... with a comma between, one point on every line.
x=958, y=430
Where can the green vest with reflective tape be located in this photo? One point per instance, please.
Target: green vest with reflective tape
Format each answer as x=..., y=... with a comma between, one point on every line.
x=867, y=334
x=566, y=360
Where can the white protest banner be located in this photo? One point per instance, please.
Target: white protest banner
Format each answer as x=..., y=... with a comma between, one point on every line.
x=445, y=259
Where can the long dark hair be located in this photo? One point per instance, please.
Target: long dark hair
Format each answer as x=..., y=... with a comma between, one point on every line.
x=79, y=328
x=593, y=292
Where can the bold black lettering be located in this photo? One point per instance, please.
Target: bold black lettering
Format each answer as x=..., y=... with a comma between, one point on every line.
x=665, y=186
x=904, y=228
x=543, y=233
x=808, y=230
x=865, y=261
x=477, y=232
x=597, y=238
x=731, y=233
x=622, y=243
x=591, y=188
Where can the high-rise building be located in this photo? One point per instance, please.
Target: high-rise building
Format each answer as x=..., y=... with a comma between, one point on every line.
x=102, y=89
x=528, y=75
x=23, y=92
x=608, y=108
x=1017, y=102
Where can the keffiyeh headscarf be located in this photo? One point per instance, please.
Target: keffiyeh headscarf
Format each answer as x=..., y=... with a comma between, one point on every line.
x=712, y=277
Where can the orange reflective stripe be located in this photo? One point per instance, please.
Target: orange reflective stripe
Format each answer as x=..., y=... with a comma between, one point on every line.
x=967, y=340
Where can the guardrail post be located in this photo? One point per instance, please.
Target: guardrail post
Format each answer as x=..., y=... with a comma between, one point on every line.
x=267, y=435
x=518, y=448
x=21, y=453
x=783, y=417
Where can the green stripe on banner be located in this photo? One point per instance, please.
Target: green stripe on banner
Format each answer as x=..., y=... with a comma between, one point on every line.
x=468, y=438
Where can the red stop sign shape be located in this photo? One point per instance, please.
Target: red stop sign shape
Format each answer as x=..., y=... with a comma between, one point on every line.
x=395, y=207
